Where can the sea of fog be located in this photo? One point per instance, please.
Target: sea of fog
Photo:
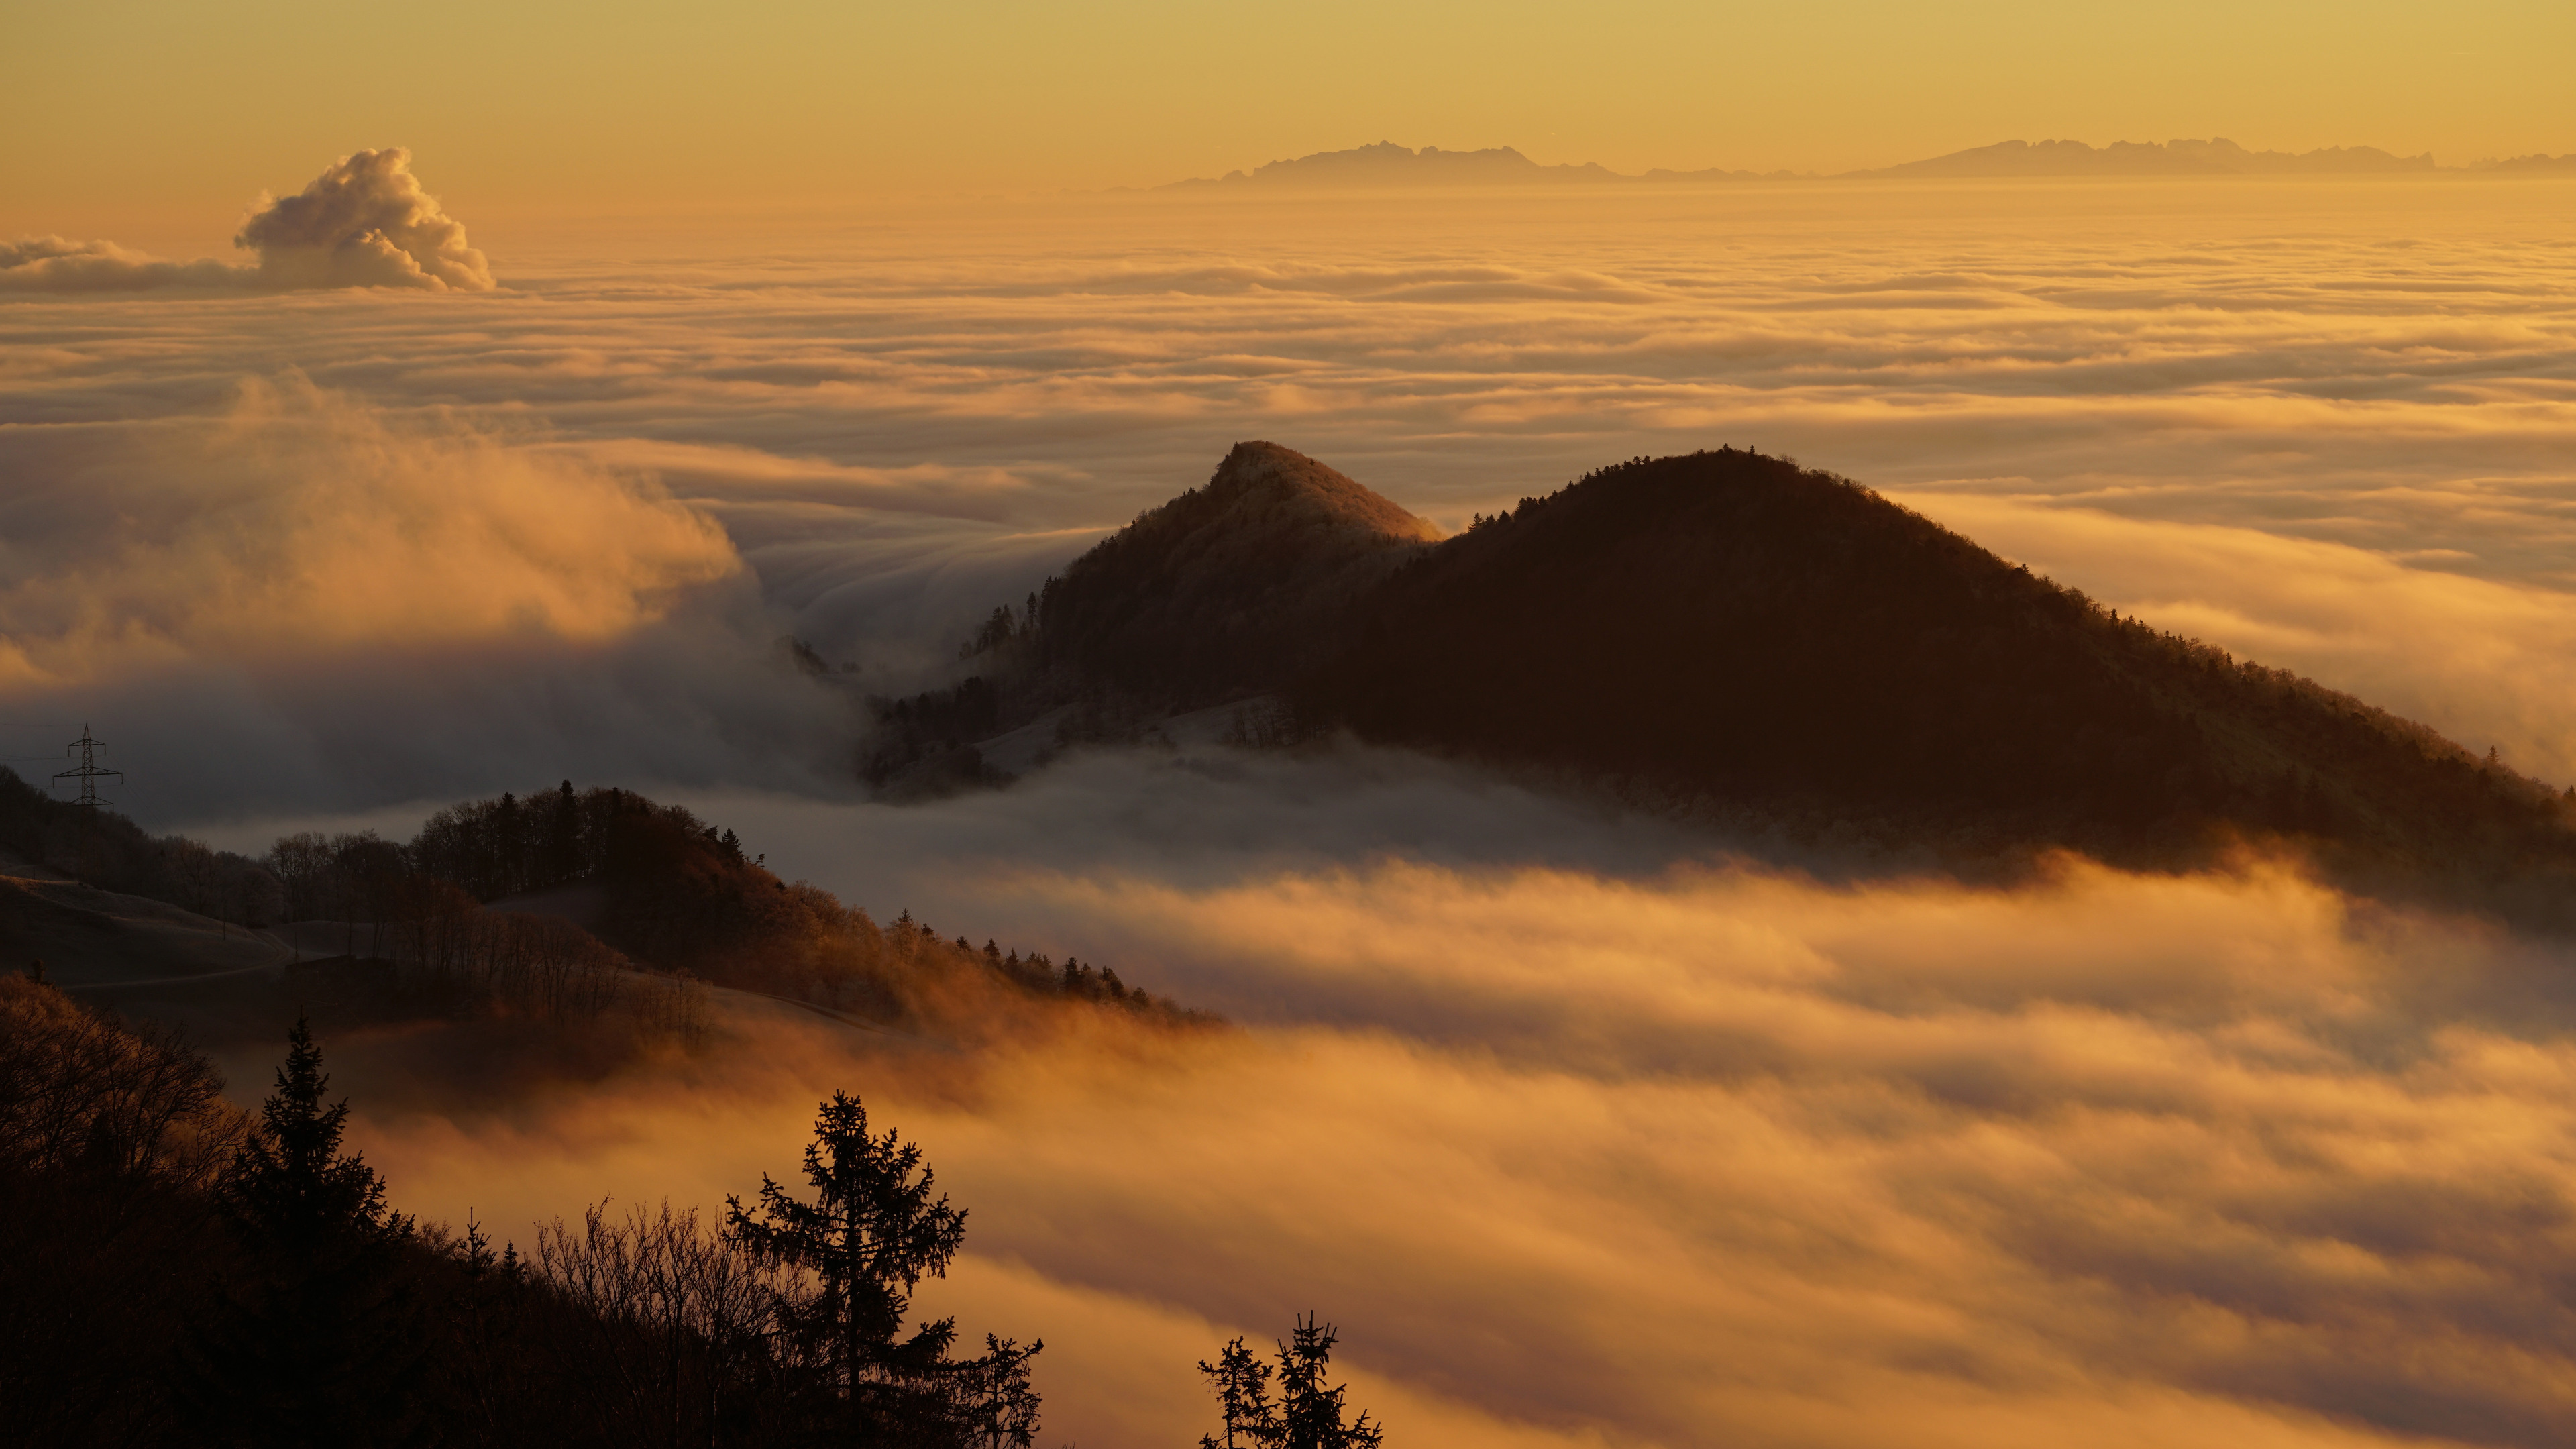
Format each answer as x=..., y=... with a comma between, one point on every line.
x=335, y=549
x=1587, y=1128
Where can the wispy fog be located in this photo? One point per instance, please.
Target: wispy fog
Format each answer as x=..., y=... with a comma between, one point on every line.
x=302, y=598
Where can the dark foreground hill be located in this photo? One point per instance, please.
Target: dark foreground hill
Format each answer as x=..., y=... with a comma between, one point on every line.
x=1734, y=626
x=1728, y=631
x=180, y=1273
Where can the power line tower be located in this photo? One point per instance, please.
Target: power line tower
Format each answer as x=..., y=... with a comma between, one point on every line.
x=90, y=771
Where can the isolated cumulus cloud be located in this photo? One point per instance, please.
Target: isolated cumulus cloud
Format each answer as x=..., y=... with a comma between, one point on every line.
x=364, y=222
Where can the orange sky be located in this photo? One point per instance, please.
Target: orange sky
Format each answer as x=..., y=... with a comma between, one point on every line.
x=129, y=111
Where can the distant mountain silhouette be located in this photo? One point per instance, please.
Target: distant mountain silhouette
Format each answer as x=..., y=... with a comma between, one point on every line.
x=2542, y=165
x=1732, y=631
x=2218, y=157
x=1389, y=166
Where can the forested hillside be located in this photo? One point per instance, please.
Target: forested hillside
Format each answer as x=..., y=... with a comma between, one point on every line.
x=1734, y=627
x=1729, y=632
x=104, y=849
x=672, y=893
x=1228, y=587
x=561, y=904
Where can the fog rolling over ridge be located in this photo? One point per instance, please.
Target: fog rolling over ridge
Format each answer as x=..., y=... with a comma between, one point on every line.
x=422, y=592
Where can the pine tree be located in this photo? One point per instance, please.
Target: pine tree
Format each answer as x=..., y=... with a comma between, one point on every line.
x=290, y=1190
x=873, y=1232
x=563, y=837
x=1242, y=1384
x=1308, y=1412
x=321, y=1346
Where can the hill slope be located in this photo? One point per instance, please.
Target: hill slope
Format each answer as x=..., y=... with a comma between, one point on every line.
x=1229, y=588
x=1731, y=629
x=1731, y=625
x=89, y=938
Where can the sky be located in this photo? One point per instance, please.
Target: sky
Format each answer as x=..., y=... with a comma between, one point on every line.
x=163, y=118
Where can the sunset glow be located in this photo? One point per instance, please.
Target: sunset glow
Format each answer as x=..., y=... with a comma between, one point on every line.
x=1834, y=757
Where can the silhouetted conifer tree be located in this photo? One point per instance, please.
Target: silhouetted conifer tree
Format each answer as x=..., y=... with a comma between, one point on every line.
x=1308, y=1411
x=322, y=1348
x=563, y=837
x=873, y=1232
x=290, y=1187
x=1242, y=1384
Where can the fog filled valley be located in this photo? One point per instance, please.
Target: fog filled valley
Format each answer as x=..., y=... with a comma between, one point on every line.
x=1825, y=815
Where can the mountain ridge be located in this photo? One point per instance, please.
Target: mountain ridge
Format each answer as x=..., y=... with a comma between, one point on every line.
x=2217, y=156
x=1731, y=631
x=1385, y=165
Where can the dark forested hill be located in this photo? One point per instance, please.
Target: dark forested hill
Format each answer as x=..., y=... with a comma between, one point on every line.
x=1221, y=593
x=1734, y=626
x=1731, y=629
x=1229, y=587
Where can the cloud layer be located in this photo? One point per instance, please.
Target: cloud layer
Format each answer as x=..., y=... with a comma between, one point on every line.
x=364, y=222
x=59, y=264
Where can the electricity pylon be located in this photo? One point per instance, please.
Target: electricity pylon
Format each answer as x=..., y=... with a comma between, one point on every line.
x=90, y=771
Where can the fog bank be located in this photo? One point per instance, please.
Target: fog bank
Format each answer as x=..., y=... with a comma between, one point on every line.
x=304, y=599
x=1716, y=1154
